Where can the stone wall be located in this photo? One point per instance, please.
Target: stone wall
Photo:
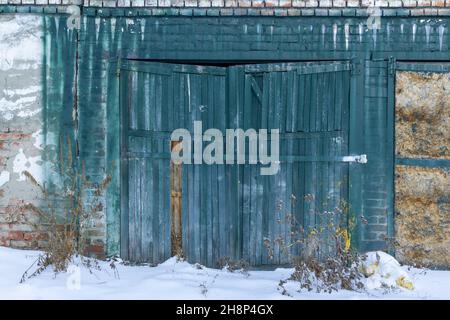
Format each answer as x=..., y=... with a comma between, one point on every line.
x=422, y=202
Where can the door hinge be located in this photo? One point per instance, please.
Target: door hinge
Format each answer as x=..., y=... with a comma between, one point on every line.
x=362, y=158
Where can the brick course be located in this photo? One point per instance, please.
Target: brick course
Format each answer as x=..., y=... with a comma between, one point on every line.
x=238, y=3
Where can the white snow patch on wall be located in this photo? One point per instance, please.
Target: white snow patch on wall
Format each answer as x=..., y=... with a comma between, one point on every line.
x=4, y=177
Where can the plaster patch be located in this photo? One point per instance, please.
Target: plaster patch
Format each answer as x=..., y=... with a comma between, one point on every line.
x=4, y=177
x=20, y=42
x=38, y=140
x=33, y=165
x=41, y=140
x=21, y=92
x=24, y=107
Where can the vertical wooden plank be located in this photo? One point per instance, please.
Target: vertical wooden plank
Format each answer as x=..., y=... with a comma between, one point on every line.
x=339, y=100
x=264, y=180
x=331, y=101
x=212, y=178
x=246, y=182
x=284, y=180
x=132, y=207
x=206, y=173
x=146, y=103
x=301, y=103
x=314, y=101
x=321, y=214
x=138, y=123
x=148, y=221
x=327, y=89
x=166, y=192
x=307, y=102
x=240, y=169
x=138, y=116
x=284, y=175
x=124, y=98
x=291, y=100
x=152, y=102
x=182, y=120
x=162, y=211
x=194, y=90
x=175, y=203
x=308, y=166
x=232, y=180
x=220, y=114
x=320, y=94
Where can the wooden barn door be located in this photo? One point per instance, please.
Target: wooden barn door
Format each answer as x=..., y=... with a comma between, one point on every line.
x=214, y=212
x=157, y=98
x=308, y=198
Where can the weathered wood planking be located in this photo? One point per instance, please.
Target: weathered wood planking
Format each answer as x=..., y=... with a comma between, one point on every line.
x=231, y=210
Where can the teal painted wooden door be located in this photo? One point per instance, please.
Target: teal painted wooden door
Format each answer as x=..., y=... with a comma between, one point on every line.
x=231, y=211
x=156, y=99
x=309, y=104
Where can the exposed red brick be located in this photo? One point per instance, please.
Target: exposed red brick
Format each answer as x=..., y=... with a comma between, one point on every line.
x=285, y=3
x=34, y=236
x=22, y=244
x=244, y=3
x=15, y=235
x=97, y=251
x=271, y=4
x=438, y=3
x=14, y=135
x=258, y=3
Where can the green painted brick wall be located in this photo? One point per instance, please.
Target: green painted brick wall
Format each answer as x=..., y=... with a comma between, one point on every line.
x=232, y=39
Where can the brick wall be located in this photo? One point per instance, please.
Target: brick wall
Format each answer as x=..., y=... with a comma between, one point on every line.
x=20, y=129
x=36, y=108
x=239, y=3
x=189, y=39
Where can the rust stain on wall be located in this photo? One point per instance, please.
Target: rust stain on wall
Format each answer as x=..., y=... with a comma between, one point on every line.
x=422, y=194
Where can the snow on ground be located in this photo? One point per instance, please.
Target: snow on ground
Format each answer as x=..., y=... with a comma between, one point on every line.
x=181, y=280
